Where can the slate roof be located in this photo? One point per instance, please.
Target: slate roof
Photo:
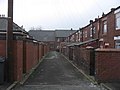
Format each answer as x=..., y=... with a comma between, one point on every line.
x=43, y=35
x=64, y=33
x=3, y=25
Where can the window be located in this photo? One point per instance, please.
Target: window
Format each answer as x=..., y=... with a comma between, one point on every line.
x=117, y=42
x=94, y=30
x=117, y=45
x=79, y=35
x=91, y=32
x=117, y=21
x=105, y=27
x=85, y=33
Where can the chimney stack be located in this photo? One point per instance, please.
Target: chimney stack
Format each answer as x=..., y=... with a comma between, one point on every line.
x=103, y=14
x=112, y=9
x=91, y=21
x=2, y=15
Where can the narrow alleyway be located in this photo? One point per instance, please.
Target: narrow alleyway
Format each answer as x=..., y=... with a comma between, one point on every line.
x=56, y=73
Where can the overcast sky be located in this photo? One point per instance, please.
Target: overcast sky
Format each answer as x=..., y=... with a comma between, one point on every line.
x=57, y=14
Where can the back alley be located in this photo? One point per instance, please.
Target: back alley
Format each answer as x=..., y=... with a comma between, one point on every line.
x=56, y=73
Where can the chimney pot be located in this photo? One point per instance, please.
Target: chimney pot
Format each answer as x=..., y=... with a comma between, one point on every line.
x=96, y=19
x=91, y=21
x=112, y=9
x=3, y=15
x=103, y=14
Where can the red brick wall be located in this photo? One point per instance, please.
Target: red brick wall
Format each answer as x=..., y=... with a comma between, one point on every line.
x=40, y=51
x=107, y=65
x=82, y=58
x=18, y=57
x=18, y=60
x=35, y=54
x=45, y=49
x=109, y=36
x=29, y=56
x=111, y=29
x=26, y=55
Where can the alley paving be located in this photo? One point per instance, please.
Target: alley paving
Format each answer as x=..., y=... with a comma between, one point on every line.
x=56, y=73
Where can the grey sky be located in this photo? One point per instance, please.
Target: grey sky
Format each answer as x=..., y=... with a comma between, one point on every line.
x=57, y=14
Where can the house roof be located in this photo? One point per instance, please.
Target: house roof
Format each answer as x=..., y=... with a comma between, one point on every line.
x=3, y=25
x=49, y=35
x=63, y=33
x=43, y=35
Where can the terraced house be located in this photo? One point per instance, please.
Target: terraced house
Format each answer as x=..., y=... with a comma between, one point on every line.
x=96, y=47
x=105, y=29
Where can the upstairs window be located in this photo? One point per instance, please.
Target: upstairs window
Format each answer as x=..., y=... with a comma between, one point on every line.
x=80, y=35
x=86, y=34
x=104, y=27
x=94, y=30
x=91, y=32
x=117, y=21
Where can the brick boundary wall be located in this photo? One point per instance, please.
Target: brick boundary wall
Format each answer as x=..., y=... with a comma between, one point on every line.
x=26, y=55
x=84, y=58
x=18, y=60
x=107, y=64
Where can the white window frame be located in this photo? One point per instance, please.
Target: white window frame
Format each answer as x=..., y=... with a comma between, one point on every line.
x=91, y=32
x=105, y=27
x=117, y=17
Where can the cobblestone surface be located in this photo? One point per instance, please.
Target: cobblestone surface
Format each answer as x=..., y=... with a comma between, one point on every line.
x=56, y=73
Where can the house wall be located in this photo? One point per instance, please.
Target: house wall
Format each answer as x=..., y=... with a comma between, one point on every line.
x=107, y=39
x=109, y=36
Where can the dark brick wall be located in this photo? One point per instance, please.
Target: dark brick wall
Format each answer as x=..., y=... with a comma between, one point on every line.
x=107, y=65
x=3, y=48
x=83, y=58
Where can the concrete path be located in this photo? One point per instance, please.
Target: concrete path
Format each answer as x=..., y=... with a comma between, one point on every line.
x=56, y=73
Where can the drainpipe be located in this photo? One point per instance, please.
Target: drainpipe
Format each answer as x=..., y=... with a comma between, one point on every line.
x=9, y=43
